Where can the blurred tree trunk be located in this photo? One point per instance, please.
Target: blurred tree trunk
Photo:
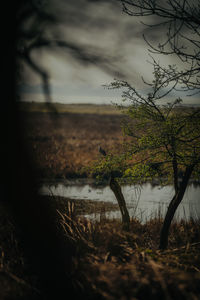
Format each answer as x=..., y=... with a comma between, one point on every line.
x=48, y=254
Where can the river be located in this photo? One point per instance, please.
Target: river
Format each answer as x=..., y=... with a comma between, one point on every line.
x=143, y=202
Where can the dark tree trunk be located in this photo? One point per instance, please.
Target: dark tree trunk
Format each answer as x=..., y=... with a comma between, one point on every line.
x=179, y=193
x=115, y=187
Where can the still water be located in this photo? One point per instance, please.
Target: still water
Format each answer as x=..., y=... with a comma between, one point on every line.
x=143, y=202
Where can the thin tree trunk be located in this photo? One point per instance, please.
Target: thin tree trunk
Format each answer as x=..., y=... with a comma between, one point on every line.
x=175, y=169
x=115, y=187
x=173, y=206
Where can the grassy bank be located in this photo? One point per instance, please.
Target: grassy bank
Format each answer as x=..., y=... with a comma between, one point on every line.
x=108, y=262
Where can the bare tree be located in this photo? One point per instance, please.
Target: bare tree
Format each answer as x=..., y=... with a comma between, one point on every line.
x=178, y=136
x=179, y=20
x=164, y=142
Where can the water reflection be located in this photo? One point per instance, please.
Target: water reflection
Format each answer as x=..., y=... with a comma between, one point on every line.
x=143, y=202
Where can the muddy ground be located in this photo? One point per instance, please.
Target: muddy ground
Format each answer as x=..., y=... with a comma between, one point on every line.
x=60, y=145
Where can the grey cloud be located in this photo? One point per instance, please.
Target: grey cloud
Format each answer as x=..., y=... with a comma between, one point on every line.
x=98, y=34
x=101, y=32
x=93, y=33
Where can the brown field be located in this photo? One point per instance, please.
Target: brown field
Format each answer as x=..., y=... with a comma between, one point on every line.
x=62, y=144
x=69, y=108
x=63, y=139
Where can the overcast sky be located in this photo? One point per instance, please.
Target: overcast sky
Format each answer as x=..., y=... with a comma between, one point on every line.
x=110, y=37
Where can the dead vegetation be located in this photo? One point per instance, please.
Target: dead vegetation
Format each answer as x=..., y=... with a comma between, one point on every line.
x=62, y=145
x=127, y=265
x=110, y=263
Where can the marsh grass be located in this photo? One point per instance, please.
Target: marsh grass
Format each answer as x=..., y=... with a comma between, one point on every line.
x=108, y=262
x=123, y=265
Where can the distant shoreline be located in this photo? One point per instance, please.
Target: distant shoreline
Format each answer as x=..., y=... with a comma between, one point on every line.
x=84, y=108
x=93, y=182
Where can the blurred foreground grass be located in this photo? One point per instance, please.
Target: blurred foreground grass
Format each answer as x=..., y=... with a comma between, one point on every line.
x=108, y=263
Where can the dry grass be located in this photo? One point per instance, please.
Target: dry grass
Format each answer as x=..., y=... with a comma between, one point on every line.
x=121, y=265
x=62, y=145
x=110, y=263
x=69, y=108
x=114, y=264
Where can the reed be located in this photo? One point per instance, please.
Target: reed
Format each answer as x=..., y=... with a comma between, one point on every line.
x=110, y=263
x=127, y=265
